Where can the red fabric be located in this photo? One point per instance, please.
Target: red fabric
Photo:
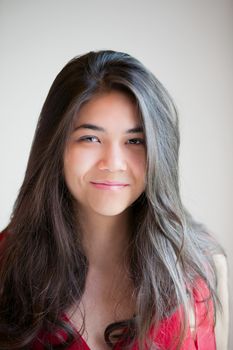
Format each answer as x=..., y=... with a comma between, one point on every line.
x=2, y=235
x=204, y=338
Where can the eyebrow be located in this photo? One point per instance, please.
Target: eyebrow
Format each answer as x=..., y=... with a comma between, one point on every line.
x=135, y=130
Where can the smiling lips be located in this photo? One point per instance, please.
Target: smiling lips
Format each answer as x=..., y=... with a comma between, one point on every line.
x=109, y=185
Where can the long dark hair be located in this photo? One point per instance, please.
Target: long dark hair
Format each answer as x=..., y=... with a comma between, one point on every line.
x=43, y=266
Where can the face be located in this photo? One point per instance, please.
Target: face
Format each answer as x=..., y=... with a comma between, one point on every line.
x=105, y=157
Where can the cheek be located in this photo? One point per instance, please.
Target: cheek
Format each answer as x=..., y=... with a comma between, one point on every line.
x=76, y=165
x=138, y=165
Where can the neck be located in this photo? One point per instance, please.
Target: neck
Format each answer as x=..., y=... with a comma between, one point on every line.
x=105, y=238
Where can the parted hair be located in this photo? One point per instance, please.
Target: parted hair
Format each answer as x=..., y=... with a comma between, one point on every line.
x=43, y=266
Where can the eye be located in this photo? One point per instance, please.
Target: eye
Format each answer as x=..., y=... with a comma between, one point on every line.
x=137, y=141
x=89, y=138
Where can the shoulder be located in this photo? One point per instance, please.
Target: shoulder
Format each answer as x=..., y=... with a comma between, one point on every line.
x=3, y=235
x=220, y=262
x=201, y=294
x=222, y=315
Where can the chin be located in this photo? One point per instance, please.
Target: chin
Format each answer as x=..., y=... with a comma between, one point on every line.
x=109, y=211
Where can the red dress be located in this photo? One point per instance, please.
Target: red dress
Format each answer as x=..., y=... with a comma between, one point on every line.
x=204, y=337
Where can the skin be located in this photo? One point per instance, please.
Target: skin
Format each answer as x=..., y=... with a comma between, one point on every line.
x=98, y=156
x=106, y=216
x=222, y=318
x=104, y=212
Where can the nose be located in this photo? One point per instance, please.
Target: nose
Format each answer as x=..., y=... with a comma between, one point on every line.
x=113, y=159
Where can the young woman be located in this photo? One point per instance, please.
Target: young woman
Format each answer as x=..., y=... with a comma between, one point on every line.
x=99, y=251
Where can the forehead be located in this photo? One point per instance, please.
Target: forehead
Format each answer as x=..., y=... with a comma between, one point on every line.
x=109, y=107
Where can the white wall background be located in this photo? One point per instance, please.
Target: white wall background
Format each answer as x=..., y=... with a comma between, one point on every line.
x=188, y=44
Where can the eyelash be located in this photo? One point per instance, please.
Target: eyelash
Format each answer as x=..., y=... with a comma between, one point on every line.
x=88, y=138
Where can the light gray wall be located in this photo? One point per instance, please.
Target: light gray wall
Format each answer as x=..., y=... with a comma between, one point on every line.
x=188, y=44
